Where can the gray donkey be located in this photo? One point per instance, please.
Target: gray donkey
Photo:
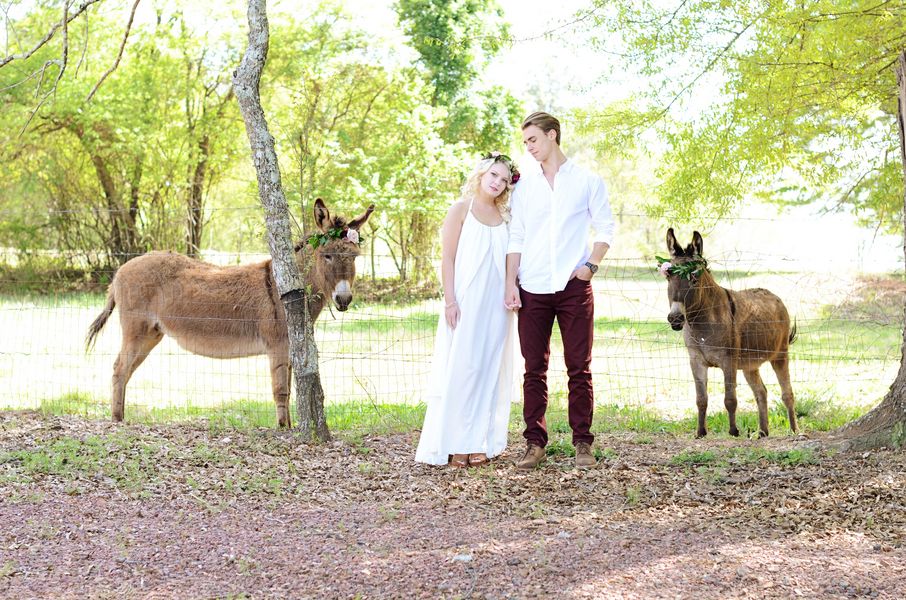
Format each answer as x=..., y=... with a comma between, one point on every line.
x=727, y=329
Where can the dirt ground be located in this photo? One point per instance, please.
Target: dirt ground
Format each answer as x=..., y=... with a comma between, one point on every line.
x=190, y=511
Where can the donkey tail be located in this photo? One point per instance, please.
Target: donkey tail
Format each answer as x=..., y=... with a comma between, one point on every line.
x=794, y=333
x=99, y=323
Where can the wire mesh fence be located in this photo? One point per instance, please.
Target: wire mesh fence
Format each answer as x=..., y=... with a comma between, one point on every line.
x=375, y=358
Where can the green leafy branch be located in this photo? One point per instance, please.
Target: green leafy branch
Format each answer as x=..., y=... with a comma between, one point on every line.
x=336, y=233
x=687, y=270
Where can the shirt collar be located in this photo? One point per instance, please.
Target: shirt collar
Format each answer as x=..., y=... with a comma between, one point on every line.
x=564, y=168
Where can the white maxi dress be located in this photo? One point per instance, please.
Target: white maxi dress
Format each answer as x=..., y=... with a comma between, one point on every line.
x=471, y=384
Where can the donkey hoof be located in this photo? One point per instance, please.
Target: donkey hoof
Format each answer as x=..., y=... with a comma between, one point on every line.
x=734, y=432
x=762, y=434
x=700, y=434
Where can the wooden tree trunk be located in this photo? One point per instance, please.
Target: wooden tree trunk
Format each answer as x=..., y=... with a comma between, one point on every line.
x=195, y=204
x=303, y=352
x=885, y=425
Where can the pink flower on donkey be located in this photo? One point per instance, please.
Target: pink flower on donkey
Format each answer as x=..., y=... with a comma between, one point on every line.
x=664, y=268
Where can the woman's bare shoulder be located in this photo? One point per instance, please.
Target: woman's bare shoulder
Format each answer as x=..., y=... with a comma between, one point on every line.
x=458, y=210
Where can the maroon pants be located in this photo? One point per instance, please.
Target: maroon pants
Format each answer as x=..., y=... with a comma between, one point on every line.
x=574, y=310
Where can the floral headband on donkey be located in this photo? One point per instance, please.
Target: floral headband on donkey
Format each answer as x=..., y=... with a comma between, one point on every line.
x=336, y=233
x=687, y=270
x=505, y=161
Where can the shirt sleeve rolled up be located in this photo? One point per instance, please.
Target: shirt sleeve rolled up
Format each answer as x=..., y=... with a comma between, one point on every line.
x=599, y=209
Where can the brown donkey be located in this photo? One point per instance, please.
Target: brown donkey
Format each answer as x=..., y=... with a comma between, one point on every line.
x=224, y=312
x=727, y=329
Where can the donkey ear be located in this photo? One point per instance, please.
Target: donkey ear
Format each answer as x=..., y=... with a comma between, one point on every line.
x=360, y=220
x=322, y=216
x=697, y=244
x=673, y=246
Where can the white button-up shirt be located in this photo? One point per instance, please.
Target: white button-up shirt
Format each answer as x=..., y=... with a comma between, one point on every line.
x=549, y=227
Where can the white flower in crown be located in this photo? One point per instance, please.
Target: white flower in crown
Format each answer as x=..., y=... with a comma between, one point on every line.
x=352, y=235
x=664, y=268
x=495, y=154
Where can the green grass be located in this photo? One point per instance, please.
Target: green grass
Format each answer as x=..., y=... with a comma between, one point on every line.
x=247, y=414
x=389, y=324
x=818, y=340
x=813, y=415
x=386, y=348
x=796, y=456
x=44, y=300
x=623, y=271
x=821, y=339
x=362, y=415
x=694, y=457
x=121, y=458
x=611, y=418
x=712, y=464
x=126, y=461
x=846, y=340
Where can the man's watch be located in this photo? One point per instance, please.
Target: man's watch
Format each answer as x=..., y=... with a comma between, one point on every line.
x=592, y=267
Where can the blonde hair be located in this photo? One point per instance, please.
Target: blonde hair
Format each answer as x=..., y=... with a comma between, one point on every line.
x=544, y=122
x=473, y=181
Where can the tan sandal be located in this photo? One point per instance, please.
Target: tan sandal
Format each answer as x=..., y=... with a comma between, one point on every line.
x=477, y=459
x=460, y=461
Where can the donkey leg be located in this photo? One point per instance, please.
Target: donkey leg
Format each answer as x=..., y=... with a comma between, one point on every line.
x=138, y=342
x=281, y=372
x=782, y=369
x=700, y=375
x=761, y=399
x=730, y=397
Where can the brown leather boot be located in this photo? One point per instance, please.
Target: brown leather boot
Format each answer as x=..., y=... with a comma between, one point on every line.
x=534, y=456
x=584, y=457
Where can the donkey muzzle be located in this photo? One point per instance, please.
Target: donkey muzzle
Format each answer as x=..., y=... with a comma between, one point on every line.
x=675, y=317
x=342, y=295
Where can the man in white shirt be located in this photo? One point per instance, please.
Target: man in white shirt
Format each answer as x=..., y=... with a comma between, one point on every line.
x=549, y=271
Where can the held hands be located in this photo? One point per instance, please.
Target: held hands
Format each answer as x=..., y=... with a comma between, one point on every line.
x=511, y=300
x=452, y=314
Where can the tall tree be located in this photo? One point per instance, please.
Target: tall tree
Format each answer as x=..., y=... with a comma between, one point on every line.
x=452, y=38
x=455, y=39
x=791, y=100
x=208, y=108
x=118, y=172
x=356, y=131
x=885, y=425
x=325, y=86
x=303, y=351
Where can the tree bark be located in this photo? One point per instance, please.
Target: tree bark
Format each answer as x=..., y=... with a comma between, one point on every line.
x=303, y=352
x=885, y=425
x=196, y=198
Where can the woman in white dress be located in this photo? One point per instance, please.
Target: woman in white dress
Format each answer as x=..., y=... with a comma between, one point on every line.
x=472, y=380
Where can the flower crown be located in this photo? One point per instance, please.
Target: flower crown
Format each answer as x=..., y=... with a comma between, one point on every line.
x=507, y=162
x=335, y=233
x=687, y=270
